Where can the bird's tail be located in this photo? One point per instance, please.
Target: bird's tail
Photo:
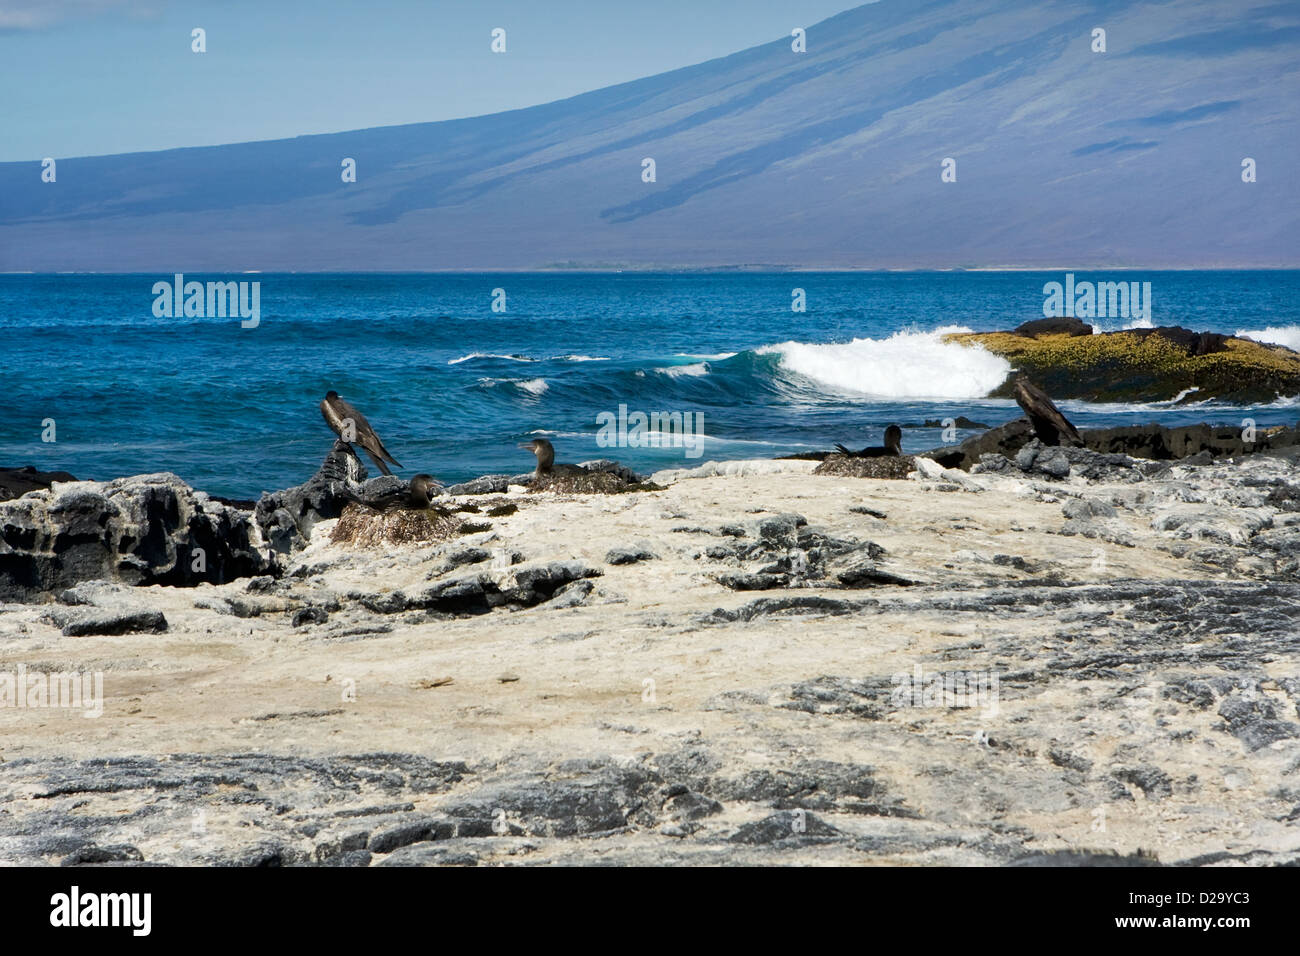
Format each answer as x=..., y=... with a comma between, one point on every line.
x=842, y=450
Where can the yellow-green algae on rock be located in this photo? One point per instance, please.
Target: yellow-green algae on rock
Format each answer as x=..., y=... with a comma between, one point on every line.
x=1136, y=365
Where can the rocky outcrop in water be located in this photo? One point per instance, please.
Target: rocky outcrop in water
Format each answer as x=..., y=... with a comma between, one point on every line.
x=16, y=482
x=1141, y=365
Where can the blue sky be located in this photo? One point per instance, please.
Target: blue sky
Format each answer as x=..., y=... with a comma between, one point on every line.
x=94, y=77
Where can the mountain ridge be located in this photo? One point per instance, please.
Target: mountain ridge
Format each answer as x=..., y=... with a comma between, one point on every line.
x=824, y=160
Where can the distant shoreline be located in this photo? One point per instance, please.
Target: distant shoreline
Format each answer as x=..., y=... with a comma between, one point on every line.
x=670, y=270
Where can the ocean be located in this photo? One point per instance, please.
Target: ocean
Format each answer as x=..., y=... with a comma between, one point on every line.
x=452, y=386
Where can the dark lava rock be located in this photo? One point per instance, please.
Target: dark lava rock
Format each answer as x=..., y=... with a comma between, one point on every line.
x=629, y=555
x=310, y=615
x=781, y=531
x=1056, y=462
x=1153, y=441
x=348, y=858
x=794, y=825
x=864, y=510
x=1057, y=326
x=415, y=831
x=112, y=622
x=1193, y=343
x=690, y=805
x=802, y=604
x=1004, y=440
x=489, y=484
x=868, y=699
x=1085, y=858
x=572, y=594
x=867, y=575
x=593, y=800
x=431, y=854
x=481, y=592
x=1152, y=781
x=265, y=855
x=287, y=517
x=92, y=854
x=1086, y=508
x=1253, y=718
x=749, y=581
x=16, y=482
x=148, y=529
x=1182, y=442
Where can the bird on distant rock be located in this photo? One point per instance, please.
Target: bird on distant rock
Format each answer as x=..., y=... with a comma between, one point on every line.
x=1049, y=424
x=892, y=448
x=351, y=426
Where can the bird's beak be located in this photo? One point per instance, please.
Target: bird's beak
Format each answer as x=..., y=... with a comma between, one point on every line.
x=526, y=445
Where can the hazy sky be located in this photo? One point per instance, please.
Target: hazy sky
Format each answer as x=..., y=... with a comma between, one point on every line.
x=91, y=77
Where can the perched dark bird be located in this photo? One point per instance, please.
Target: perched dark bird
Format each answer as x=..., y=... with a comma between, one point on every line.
x=546, y=465
x=351, y=426
x=892, y=448
x=416, y=496
x=1049, y=424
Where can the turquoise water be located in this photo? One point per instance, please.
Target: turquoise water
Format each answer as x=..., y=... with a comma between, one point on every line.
x=452, y=386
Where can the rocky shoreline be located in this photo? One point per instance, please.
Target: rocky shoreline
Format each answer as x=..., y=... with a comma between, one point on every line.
x=726, y=670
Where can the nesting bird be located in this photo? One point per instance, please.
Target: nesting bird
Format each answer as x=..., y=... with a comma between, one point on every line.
x=548, y=476
x=351, y=426
x=418, y=495
x=546, y=465
x=892, y=448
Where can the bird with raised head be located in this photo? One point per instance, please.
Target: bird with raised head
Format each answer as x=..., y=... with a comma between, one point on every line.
x=546, y=465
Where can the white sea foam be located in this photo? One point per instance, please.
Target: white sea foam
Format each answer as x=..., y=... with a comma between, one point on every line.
x=534, y=386
x=1288, y=335
x=912, y=365
x=677, y=371
x=581, y=358
x=489, y=355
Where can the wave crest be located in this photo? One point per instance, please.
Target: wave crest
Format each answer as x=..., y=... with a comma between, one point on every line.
x=1288, y=335
x=911, y=364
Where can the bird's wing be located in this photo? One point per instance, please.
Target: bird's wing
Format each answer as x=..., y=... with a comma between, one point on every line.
x=383, y=452
x=366, y=436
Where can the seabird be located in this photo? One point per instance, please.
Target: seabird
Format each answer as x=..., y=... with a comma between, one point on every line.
x=1049, y=424
x=609, y=478
x=892, y=448
x=416, y=496
x=546, y=465
x=340, y=415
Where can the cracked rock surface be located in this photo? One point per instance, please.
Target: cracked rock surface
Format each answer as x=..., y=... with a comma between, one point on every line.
x=1075, y=662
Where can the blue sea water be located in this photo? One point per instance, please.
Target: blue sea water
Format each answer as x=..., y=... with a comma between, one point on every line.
x=452, y=386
